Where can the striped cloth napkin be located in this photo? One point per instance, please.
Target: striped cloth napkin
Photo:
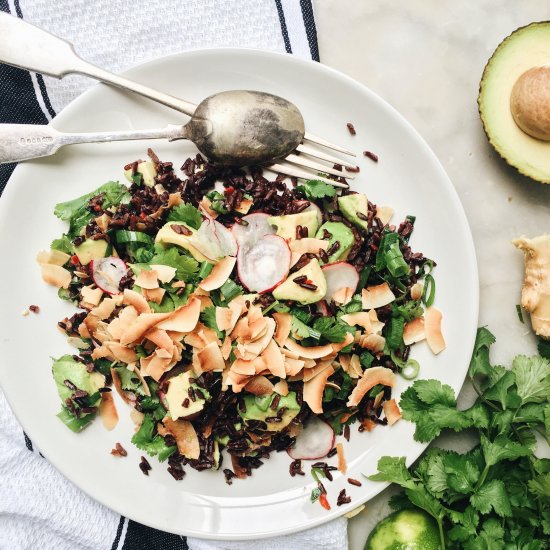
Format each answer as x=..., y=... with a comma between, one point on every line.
x=38, y=507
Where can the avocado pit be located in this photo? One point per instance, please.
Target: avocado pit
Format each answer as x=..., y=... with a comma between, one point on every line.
x=530, y=102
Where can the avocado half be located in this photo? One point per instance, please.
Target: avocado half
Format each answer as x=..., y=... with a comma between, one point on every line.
x=525, y=48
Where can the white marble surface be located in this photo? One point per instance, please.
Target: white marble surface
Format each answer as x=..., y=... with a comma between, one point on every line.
x=426, y=57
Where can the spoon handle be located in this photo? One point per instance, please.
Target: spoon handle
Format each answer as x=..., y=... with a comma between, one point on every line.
x=28, y=47
x=27, y=141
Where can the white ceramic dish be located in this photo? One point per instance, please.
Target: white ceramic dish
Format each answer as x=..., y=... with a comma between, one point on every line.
x=408, y=177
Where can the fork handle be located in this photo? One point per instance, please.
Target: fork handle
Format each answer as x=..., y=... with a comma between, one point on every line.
x=28, y=47
x=27, y=141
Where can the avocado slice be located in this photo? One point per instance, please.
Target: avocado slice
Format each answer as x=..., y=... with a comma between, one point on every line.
x=178, y=391
x=286, y=225
x=148, y=171
x=167, y=235
x=66, y=368
x=351, y=204
x=259, y=408
x=526, y=48
x=289, y=290
x=91, y=250
x=341, y=233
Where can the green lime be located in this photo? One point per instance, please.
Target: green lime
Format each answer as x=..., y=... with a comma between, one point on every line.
x=405, y=530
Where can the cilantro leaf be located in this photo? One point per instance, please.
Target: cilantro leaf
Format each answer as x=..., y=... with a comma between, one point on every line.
x=492, y=495
x=316, y=189
x=394, y=470
x=63, y=244
x=331, y=329
x=153, y=444
x=208, y=318
x=502, y=448
x=187, y=214
x=130, y=381
x=480, y=363
x=217, y=202
x=186, y=266
x=302, y=330
x=532, y=378
x=540, y=486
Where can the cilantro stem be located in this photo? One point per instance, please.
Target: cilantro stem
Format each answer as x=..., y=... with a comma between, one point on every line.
x=441, y=535
x=482, y=479
x=488, y=403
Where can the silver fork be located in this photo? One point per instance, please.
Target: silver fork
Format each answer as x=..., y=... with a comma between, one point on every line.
x=29, y=47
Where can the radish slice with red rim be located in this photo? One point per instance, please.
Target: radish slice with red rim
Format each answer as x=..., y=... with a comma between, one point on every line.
x=339, y=275
x=256, y=226
x=214, y=240
x=315, y=441
x=107, y=273
x=265, y=264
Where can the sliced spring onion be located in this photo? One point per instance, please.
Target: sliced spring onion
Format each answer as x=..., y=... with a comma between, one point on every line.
x=205, y=269
x=411, y=369
x=520, y=313
x=428, y=294
x=123, y=236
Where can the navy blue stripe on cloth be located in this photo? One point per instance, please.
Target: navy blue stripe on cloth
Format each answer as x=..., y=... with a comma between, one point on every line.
x=118, y=533
x=311, y=30
x=28, y=442
x=139, y=537
x=284, y=30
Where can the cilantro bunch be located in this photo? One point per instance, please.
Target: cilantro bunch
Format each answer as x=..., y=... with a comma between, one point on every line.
x=496, y=495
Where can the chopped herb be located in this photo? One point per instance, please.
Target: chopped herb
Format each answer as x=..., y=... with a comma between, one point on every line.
x=316, y=189
x=208, y=317
x=150, y=442
x=520, y=313
x=187, y=214
x=230, y=290
x=217, y=202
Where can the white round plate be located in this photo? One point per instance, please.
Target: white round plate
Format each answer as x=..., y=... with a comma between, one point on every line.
x=407, y=177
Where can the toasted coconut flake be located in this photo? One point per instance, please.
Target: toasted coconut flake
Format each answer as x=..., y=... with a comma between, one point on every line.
x=121, y=353
x=206, y=205
x=377, y=296
x=165, y=273
x=373, y=342
x=414, y=331
x=156, y=364
x=156, y=295
x=343, y=295
x=371, y=377
x=144, y=384
x=116, y=327
x=378, y=399
x=56, y=275
x=274, y=359
x=314, y=352
x=227, y=317
x=337, y=346
x=293, y=366
x=174, y=199
x=311, y=372
x=160, y=338
x=136, y=417
x=179, y=284
x=355, y=369
x=298, y=247
x=259, y=385
x=184, y=319
x=140, y=326
x=185, y=435
x=314, y=388
x=105, y=309
x=133, y=298
x=432, y=326
x=107, y=411
x=148, y=279
x=244, y=206
x=237, y=381
x=210, y=358
x=118, y=385
x=375, y=324
x=384, y=214
x=392, y=411
x=342, y=466
x=52, y=257
x=416, y=291
x=91, y=296
x=207, y=334
x=283, y=321
x=361, y=318
x=219, y=274
x=226, y=348
x=281, y=387
x=246, y=368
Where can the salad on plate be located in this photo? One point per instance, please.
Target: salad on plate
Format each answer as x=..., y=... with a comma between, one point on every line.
x=235, y=314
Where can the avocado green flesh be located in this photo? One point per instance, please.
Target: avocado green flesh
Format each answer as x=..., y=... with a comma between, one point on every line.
x=286, y=225
x=289, y=290
x=259, y=408
x=405, y=530
x=167, y=235
x=341, y=233
x=350, y=205
x=91, y=250
x=66, y=368
x=524, y=49
x=178, y=390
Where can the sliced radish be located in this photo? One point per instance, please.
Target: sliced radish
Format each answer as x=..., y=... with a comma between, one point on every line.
x=107, y=273
x=322, y=307
x=315, y=441
x=339, y=275
x=256, y=228
x=265, y=264
x=214, y=240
